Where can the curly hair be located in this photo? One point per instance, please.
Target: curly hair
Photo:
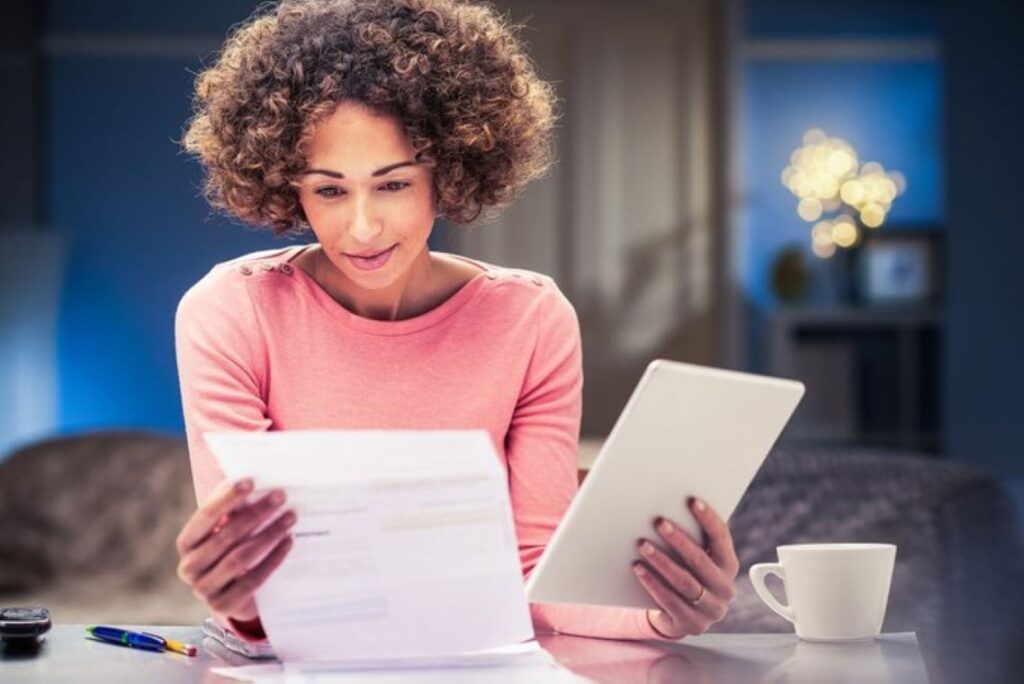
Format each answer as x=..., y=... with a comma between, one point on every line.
x=453, y=72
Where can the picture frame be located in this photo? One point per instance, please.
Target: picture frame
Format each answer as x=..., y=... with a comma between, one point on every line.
x=900, y=266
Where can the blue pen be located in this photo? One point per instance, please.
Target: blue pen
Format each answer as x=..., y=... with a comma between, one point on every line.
x=123, y=637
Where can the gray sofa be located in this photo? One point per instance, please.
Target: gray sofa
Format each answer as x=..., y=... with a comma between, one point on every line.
x=87, y=528
x=87, y=525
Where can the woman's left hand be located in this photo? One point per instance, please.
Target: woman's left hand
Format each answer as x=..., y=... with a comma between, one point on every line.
x=692, y=583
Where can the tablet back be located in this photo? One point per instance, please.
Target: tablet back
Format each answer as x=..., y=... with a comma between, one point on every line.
x=686, y=431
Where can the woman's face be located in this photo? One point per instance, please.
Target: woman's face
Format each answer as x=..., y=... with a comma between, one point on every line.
x=369, y=203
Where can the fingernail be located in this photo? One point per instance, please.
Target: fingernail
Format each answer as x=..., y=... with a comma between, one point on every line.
x=640, y=570
x=243, y=486
x=647, y=549
x=290, y=518
x=277, y=497
x=698, y=505
x=665, y=527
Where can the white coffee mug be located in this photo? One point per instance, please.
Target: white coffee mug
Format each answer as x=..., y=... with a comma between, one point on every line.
x=836, y=592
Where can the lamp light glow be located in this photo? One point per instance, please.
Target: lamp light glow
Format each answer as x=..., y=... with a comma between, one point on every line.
x=825, y=173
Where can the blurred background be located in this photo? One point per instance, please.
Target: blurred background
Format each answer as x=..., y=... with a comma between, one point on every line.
x=818, y=190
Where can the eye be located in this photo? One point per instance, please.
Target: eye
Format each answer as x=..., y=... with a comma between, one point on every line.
x=329, y=192
x=395, y=186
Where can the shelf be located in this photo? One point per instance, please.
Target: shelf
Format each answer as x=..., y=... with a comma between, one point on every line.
x=850, y=317
x=872, y=374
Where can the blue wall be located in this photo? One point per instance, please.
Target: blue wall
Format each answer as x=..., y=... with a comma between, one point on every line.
x=889, y=112
x=127, y=200
x=184, y=17
x=841, y=18
x=984, y=402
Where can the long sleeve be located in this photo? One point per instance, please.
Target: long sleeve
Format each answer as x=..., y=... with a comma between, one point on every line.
x=220, y=370
x=542, y=451
x=220, y=378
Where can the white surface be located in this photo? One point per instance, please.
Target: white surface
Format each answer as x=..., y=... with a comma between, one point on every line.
x=69, y=657
x=686, y=430
x=782, y=659
x=404, y=544
x=836, y=592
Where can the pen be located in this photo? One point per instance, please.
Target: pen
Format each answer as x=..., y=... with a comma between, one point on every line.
x=122, y=637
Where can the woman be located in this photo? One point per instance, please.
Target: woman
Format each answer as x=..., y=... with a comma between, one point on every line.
x=361, y=122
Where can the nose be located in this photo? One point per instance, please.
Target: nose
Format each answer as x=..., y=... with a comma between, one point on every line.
x=363, y=226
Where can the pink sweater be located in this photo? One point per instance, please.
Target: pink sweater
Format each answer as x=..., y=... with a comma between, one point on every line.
x=261, y=346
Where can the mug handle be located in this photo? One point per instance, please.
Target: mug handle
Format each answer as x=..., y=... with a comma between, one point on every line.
x=758, y=573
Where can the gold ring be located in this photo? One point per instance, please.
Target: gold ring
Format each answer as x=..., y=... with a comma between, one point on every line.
x=695, y=602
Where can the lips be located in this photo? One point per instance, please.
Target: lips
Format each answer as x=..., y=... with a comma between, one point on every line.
x=368, y=254
x=373, y=260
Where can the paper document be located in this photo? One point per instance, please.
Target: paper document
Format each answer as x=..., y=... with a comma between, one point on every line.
x=525, y=663
x=404, y=545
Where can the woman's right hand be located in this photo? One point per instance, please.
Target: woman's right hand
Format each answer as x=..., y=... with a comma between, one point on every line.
x=219, y=551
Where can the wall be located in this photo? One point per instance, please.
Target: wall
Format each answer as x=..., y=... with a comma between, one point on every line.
x=984, y=360
x=126, y=200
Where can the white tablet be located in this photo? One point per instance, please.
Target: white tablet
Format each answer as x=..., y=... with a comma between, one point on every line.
x=686, y=431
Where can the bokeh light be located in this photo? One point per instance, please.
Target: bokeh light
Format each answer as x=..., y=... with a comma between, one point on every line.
x=827, y=177
x=817, y=169
x=844, y=232
x=821, y=234
x=824, y=251
x=872, y=215
x=809, y=209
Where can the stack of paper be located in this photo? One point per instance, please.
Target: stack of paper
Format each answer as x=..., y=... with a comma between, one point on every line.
x=524, y=663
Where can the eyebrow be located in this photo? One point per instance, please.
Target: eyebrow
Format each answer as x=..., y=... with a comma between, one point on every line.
x=379, y=172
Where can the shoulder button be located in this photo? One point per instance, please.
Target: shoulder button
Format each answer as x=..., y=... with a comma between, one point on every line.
x=536, y=280
x=245, y=269
x=492, y=275
x=267, y=266
x=285, y=268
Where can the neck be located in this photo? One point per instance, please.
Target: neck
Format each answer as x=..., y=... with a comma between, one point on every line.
x=405, y=298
